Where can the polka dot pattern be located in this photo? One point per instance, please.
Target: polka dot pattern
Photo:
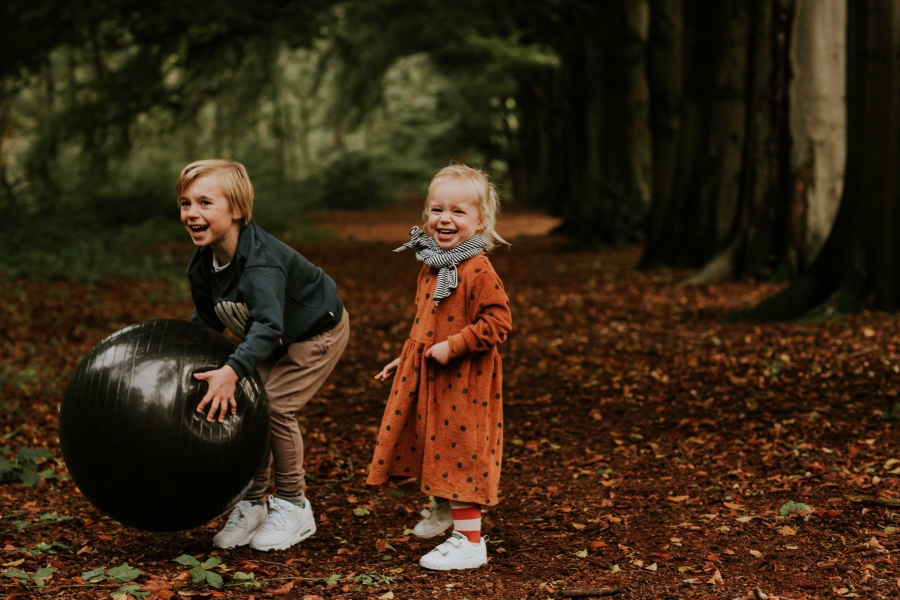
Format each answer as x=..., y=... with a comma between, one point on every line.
x=456, y=454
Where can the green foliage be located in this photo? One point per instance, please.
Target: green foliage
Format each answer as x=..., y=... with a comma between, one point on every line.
x=24, y=467
x=200, y=571
x=38, y=579
x=245, y=580
x=893, y=414
x=123, y=593
x=799, y=507
x=122, y=574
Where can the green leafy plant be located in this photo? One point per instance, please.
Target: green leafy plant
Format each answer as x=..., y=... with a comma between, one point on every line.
x=123, y=593
x=374, y=579
x=200, y=571
x=893, y=414
x=39, y=578
x=24, y=467
x=51, y=548
x=246, y=580
x=791, y=507
x=123, y=574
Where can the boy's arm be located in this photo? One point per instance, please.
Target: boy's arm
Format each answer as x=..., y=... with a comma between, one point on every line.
x=490, y=317
x=263, y=290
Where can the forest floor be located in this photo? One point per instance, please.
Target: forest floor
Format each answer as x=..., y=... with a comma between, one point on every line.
x=652, y=450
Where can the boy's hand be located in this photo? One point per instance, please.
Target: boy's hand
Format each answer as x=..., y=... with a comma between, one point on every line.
x=439, y=352
x=388, y=371
x=220, y=393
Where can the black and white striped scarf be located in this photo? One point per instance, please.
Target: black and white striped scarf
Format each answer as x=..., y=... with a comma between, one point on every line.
x=445, y=261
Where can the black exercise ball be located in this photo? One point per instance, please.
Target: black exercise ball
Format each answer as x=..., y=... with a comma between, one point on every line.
x=133, y=440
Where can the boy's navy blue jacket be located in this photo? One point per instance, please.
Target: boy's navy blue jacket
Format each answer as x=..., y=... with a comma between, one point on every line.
x=268, y=295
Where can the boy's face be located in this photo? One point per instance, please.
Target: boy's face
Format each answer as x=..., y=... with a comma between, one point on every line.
x=453, y=216
x=207, y=216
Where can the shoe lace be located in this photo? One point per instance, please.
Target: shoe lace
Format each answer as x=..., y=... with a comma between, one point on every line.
x=236, y=519
x=277, y=516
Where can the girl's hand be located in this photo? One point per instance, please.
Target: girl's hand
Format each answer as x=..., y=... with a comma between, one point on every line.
x=388, y=371
x=439, y=352
x=220, y=393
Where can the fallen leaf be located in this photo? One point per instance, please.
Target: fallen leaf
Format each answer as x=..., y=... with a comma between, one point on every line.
x=716, y=579
x=787, y=530
x=652, y=567
x=284, y=589
x=713, y=558
x=756, y=553
x=386, y=596
x=677, y=498
x=599, y=544
x=581, y=553
x=578, y=526
x=733, y=505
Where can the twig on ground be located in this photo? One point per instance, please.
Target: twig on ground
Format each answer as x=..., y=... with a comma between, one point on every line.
x=590, y=592
x=875, y=501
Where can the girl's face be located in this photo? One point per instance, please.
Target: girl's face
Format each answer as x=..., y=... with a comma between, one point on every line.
x=207, y=215
x=453, y=215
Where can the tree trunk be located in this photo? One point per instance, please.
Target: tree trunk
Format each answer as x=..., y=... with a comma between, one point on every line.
x=584, y=146
x=665, y=76
x=758, y=239
x=857, y=266
x=700, y=212
x=818, y=121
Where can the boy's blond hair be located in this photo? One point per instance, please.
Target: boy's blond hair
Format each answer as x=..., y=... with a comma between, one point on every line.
x=233, y=180
x=480, y=188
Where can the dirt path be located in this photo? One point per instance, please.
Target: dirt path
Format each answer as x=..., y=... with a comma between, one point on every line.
x=649, y=446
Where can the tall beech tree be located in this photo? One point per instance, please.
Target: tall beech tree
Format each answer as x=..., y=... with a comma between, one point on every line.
x=858, y=264
x=760, y=156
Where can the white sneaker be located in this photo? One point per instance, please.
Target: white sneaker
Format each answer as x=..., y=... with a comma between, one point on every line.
x=456, y=553
x=245, y=520
x=437, y=519
x=286, y=525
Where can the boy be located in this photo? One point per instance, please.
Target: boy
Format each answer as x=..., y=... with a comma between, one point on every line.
x=293, y=328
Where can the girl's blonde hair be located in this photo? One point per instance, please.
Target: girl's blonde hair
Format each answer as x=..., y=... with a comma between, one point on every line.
x=233, y=179
x=480, y=188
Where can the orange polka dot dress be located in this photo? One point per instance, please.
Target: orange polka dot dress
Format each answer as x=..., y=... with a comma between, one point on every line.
x=444, y=424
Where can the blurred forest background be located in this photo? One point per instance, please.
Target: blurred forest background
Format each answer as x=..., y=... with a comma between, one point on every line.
x=741, y=138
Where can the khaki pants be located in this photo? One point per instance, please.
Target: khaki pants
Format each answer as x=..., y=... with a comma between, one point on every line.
x=291, y=382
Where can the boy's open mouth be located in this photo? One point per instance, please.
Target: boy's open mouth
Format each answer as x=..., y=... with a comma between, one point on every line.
x=198, y=228
x=446, y=231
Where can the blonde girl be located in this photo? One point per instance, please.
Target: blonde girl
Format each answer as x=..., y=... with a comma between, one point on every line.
x=443, y=422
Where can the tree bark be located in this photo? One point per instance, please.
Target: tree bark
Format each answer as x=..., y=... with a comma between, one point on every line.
x=585, y=146
x=759, y=236
x=665, y=76
x=818, y=121
x=700, y=211
x=857, y=265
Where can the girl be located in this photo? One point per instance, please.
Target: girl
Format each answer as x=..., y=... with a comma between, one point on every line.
x=444, y=418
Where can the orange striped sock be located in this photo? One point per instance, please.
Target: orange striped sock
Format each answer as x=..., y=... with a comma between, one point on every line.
x=467, y=519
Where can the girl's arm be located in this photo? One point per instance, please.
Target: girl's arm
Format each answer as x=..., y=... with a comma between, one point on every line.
x=489, y=314
x=389, y=369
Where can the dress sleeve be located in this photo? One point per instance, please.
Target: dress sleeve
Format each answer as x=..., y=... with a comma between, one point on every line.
x=488, y=308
